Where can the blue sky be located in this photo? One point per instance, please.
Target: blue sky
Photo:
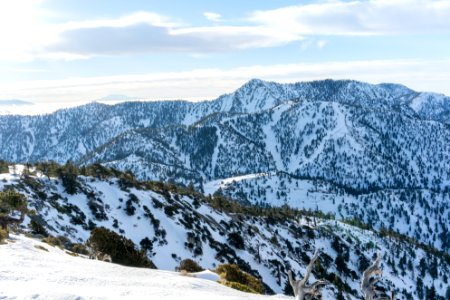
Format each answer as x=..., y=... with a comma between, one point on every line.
x=69, y=51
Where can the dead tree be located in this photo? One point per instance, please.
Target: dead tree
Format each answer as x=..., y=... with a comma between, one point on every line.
x=303, y=291
x=370, y=277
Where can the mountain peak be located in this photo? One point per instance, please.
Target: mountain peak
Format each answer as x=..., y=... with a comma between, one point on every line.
x=117, y=97
x=255, y=82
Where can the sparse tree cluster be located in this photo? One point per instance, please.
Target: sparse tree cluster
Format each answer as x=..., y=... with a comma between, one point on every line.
x=121, y=250
x=13, y=208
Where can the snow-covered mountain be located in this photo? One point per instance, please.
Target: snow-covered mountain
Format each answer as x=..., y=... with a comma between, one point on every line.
x=72, y=133
x=181, y=223
x=375, y=152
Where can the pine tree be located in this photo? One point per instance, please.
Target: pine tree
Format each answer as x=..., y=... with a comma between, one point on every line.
x=431, y=293
x=68, y=175
x=11, y=202
x=419, y=288
x=422, y=267
x=146, y=245
x=287, y=290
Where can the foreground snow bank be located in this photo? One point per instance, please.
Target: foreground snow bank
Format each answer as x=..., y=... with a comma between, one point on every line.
x=29, y=272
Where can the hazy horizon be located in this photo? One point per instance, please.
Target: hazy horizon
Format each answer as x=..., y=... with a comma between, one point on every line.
x=61, y=51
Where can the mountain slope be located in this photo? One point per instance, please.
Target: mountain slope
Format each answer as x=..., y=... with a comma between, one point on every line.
x=362, y=156
x=264, y=242
x=381, y=151
x=71, y=133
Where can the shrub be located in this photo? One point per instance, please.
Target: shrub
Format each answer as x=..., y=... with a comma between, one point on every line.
x=129, y=207
x=170, y=210
x=3, y=235
x=235, y=278
x=12, y=202
x=190, y=266
x=68, y=175
x=121, y=249
x=239, y=286
x=53, y=241
x=37, y=228
x=79, y=248
x=41, y=248
x=236, y=240
x=146, y=245
x=65, y=241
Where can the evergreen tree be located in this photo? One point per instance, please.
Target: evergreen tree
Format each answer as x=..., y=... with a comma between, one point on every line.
x=146, y=245
x=419, y=288
x=68, y=175
x=121, y=249
x=431, y=293
x=11, y=202
x=190, y=266
x=422, y=267
x=287, y=290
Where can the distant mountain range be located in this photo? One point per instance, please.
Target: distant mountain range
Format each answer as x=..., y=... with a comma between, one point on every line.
x=117, y=97
x=379, y=153
x=14, y=102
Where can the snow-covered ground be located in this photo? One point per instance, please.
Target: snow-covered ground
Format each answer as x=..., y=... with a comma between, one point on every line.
x=30, y=273
x=211, y=187
x=182, y=226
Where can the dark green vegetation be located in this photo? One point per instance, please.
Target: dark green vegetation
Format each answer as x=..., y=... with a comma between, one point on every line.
x=257, y=239
x=122, y=250
x=189, y=265
x=383, y=147
x=235, y=278
x=11, y=202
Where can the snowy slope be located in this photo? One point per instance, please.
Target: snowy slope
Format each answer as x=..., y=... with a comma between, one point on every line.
x=58, y=134
x=360, y=154
x=380, y=151
x=419, y=213
x=29, y=272
x=183, y=224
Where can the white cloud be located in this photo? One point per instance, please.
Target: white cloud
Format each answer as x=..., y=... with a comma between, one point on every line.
x=143, y=38
x=21, y=29
x=417, y=74
x=151, y=33
x=321, y=44
x=313, y=43
x=373, y=17
x=25, y=35
x=148, y=18
x=145, y=32
x=215, y=17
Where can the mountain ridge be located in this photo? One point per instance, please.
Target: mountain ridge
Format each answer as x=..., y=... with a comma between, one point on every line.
x=181, y=223
x=354, y=139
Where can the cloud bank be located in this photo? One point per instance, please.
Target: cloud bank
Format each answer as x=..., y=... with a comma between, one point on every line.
x=373, y=17
x=28, y=37
x=201, y=84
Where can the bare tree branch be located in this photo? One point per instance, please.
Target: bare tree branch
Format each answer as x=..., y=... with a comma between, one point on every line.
x=302, y=290
x=371, y=276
